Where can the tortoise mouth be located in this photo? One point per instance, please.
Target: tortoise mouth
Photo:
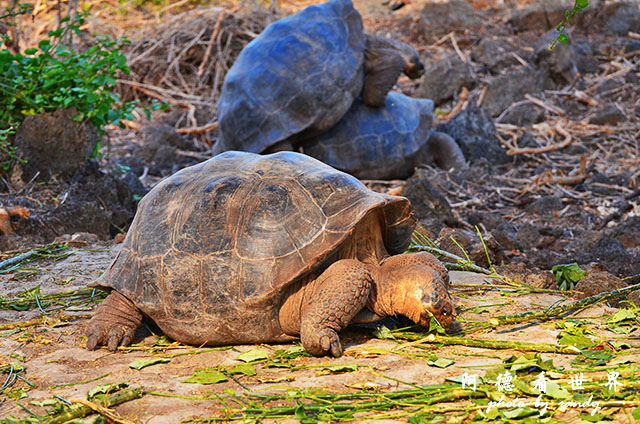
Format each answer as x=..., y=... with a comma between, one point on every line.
x=414, y=69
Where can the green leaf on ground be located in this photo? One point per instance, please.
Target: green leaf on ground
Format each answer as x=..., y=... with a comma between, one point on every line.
x=145, y=362
x=621, y=315
x=384, y=333
x=32, y=292
x=206, y=376
x=340, y=368
x=441, y=363
x=105, y=389
x=246, y=369
x=253, y=355
x=581, y=342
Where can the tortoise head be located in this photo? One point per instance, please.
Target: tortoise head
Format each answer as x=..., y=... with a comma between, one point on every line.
x=413, y=67
x=418, y=292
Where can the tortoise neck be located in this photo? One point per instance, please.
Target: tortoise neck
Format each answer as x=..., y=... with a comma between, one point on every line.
x=365, y=243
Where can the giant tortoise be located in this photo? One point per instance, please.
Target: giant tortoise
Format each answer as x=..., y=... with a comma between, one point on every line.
x=245, y=248
x=301, y=74
x=385, y=143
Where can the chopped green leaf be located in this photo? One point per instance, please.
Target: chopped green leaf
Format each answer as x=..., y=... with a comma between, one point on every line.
x=205, y=376
x=441, y=363
x=105, y=389
x=253, y=355
x=246, y=369
x=621, y=315
x=145, y=362
x=384, y=333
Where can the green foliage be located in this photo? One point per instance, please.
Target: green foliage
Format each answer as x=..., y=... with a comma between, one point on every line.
x=54, y=76
x=567, y=275
x=562, y=26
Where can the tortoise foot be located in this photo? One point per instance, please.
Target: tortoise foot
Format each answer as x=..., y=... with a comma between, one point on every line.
x=114, y=323
x=341, y=292
x=323, y=342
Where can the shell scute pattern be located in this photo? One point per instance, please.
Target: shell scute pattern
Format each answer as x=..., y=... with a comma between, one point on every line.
x=368, y=138
x=221, y=240
x=300, y=75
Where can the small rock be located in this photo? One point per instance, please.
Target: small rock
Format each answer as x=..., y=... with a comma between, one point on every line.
x=597, y=280
x=444, y=79
x=511, y=87
x=443, y=17
x=543, y=15
x=622, y=17
x=610, y=180
x=494, y=53
x=560, y=63
x=475, y=133
x=159, y=149
x=529, y=274
x=585, y=60
x=607, y=115
x=119, y=238
x=627, y=232
x=523, y=115
x=545, y=205
x=54, y=144
x=528, y=236
x=610, y=84
x=96, y=202
x=431, y=208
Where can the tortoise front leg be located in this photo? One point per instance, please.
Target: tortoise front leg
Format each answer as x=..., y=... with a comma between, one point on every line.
x=337, y=296
x=114, y=323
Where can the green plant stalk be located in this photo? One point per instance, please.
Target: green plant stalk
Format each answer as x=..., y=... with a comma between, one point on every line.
x=492, y=344
x=461, y=264
x=79, y=410
x=561, y=309
x=31, y=302
x=41, y=251
x=77, y=383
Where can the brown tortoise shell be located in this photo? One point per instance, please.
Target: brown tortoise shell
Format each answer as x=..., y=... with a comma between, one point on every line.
x=212, y=247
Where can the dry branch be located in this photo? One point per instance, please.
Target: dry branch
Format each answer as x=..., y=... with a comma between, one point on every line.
x=536, y=150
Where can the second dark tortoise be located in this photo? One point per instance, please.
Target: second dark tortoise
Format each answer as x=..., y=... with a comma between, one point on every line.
x=386, y=143
x=301, y=74
x=245, y=248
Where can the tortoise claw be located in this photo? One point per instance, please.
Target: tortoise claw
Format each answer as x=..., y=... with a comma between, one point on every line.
x=331, y=343
x=114, y=323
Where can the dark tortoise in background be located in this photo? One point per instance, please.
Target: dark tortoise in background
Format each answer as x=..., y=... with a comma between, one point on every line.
x=300, y=76
x=385, y=143
x=245, y=248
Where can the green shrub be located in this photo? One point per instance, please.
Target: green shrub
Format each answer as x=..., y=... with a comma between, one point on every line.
x=54, y=76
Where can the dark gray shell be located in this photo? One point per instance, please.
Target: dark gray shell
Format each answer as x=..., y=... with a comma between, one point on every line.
x=298, y=77
x=374, y=142
x=216, y=243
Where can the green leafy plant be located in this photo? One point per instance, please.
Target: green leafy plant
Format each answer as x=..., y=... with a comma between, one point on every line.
x=54, y=76
x=562, y=26
x=567, y=275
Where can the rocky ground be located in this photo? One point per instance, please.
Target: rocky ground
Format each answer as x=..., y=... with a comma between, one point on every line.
x=552, y=142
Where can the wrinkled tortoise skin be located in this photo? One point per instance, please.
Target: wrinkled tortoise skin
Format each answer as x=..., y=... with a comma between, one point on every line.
x=213, y=248
x=297, y=78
